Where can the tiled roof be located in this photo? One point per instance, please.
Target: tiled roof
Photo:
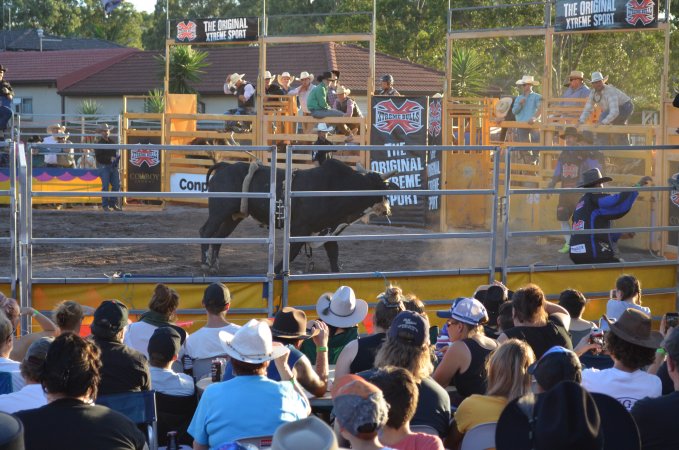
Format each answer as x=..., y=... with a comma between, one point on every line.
x=140, y=72
x=60, y=67
x=28, y=40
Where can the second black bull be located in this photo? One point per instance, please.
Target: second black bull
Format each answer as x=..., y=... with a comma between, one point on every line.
x=310, y=215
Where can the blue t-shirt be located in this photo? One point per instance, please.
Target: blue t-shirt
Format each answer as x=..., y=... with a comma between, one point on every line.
x=246, y=406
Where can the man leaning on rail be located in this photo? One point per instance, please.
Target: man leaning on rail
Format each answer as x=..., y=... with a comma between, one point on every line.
x=594, y=211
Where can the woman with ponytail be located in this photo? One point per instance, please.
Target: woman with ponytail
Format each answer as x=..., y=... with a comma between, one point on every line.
x=627, y=294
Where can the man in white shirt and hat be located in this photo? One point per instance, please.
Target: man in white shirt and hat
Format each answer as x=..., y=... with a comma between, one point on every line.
x=616, y=107
x=235, y=84
x=302, y=92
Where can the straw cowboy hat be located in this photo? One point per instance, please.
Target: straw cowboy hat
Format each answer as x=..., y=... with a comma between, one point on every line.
x=252, y=343
x=311, y=432
x=503, y=106
x=234, y=78
x=575, y=74
x=304, y=75
x=634, y=327
x=285, y=74
x=341, y=309
x=56, y=128
x=323, y=127
x=597, y=76
x=290, y=323
x=343, y=90
x=527, y=79
x=104, y=127
x=592, y=177
x=267, y=75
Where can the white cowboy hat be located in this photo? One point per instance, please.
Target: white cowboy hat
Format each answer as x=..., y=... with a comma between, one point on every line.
x=343, y=90
x=233, y=78
x=311, y=432
x=502, y=107
x=437, y=95
x=323, y=127
x=56, y=128
x=527, y=79
x=283, y=75
x=597, y=76
x=341, y=309
x=252, y=343
x=267, y=75
x=304, y=75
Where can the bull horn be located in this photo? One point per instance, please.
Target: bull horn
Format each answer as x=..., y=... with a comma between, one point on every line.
x=360, y=168
x=386, y=176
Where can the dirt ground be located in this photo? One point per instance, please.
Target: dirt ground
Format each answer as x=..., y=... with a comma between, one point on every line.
x=178, y=221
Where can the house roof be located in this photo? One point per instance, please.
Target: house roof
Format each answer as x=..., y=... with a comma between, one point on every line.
x=28, y=40
x=140, y=72
x=60, y=67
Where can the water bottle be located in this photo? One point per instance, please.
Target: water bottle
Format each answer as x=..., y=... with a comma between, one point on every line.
x=172, y=441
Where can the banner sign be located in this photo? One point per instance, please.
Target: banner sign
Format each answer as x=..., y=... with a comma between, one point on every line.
x=605, y=14
x=673, y=211
x=217, y=30
x=435, y=137
x=144, y=166
x=398, y=121
x=188, y=182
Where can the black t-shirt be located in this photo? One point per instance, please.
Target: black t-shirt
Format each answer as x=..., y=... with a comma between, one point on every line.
x=123, y=369
x=71, y=424
x=656, y=419
x=103, y=156
x=367, y=349
x=542, y=338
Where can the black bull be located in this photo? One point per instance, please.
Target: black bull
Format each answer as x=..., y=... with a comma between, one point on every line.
x=309, y=214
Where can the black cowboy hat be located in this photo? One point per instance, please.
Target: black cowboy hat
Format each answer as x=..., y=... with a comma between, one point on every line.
x=592, y=177
x=572, y=131
x=290, y=323
x=327, y=76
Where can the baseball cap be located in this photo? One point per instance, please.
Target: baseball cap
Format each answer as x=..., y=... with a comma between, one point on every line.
x=359, y=406
x=466, y=310
x=37, y=352
x=165, y=341
x=216, y=294
x=109, y=318
x=409, y=328
x=556, y=365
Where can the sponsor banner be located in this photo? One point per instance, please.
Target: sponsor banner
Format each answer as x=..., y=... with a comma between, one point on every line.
x=216, y=30
x=188, y=182
x=144, y=166
x=434, y=137
x=605, y=14
x=398, y=121
x=673, y=210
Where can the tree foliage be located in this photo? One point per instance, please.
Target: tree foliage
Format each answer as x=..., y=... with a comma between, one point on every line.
x=186, y=67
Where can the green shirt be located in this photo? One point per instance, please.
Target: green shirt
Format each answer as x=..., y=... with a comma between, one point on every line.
x=335, y=345
x=318, y=98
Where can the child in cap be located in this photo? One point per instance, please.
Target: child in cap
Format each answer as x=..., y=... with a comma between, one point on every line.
x=163, y=347
x=361, y=411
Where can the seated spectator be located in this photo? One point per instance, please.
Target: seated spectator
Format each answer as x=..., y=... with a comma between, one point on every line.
x=163, y=347
x=6, y=343
x=656, y=417
x=508, y=379
x=538, y=322
x=495, y=296
x=342, y=312
x=162, y=313
x=627, y=294
x=285, y=81
x=289, y=328
x=407, y=346
x=574, y=302
x=250, y=404
x=317, y=101
x=464, y=363
x=205, y=342
x=349, y=107
x=70, y=419
x=49, y=329
x=31, y=395
x=400, y=391
x=360, y=412
x=271, y=88
x=632, y=345
x=359, y=355
x=556, y=365
x=123, y=369
x=311, y=433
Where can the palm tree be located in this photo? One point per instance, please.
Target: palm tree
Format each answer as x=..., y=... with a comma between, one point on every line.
x=468, y=78
x=186, y=67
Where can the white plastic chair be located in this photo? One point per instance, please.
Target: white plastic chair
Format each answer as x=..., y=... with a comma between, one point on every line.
x=481, y=437
x=426, y=429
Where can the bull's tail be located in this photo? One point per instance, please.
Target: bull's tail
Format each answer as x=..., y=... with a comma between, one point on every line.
x=217, y=166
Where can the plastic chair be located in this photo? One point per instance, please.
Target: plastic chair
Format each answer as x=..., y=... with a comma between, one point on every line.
x=261, y=442
x=426, y=429
x=139, y=407
x=203, y=367
x=481, y=437
x=5, y=383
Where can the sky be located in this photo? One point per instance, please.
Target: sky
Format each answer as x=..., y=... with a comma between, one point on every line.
x=144, y=5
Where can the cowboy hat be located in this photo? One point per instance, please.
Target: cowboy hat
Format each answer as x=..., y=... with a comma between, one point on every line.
x=234, y=78
x=574, y=74
x=341, y=309
x=343, y=90
x=55, y=128
x=634, y=327
x=311, y=432
x=285, y=74
x=572, y=131
x=104, y=127
x=290, y=323
x=503, y=106
x=252, y=343
x=62, y=134
x=592, y=177
x=527, y=79
x=597, y=76
x=323, y=127
x=267, y=75
x=437, y=95
x=327, y=76
x=304, y=75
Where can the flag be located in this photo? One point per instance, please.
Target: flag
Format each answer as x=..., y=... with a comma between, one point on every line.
x=110, y=5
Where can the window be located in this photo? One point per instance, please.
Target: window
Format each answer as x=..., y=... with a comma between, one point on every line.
x=24, y=107
x=200, y=107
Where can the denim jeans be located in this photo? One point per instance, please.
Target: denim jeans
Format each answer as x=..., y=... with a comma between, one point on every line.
x=625, y=111
x=5, y=115
x=109, y=176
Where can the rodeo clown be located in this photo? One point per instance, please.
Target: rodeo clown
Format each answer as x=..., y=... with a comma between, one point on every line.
x=594, y=211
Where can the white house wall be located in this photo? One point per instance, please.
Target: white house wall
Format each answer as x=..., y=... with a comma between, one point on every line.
x=45, y=98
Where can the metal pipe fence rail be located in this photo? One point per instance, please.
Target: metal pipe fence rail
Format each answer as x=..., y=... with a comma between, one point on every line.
x=512, y=191
x=290, y=194
x=28, y=241
x=12, y=194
